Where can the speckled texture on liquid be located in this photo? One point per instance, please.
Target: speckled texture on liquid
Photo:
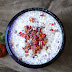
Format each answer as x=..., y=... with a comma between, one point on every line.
x=54, y=38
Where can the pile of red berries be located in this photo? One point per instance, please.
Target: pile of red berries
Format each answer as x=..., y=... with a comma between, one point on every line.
x=37, y=39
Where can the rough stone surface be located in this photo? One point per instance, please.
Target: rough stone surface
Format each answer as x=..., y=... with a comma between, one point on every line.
x=62, y=8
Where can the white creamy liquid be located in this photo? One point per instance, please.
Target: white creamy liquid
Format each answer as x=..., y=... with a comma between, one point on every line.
x=54, y=37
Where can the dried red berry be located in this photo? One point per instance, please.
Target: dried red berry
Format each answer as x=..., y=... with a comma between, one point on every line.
x=34, y=45
x=23, y=48
x=32, y=33
x=32, y=20
x=35, y=42
x=52, y=24
x=22, y=35
x=51, y=30
x=42, y=39
x=40, y=29
x=26, y=41
x=33, y=56
x=43, y=43
x=42, y=14
x=20, y=32
x=43, y=35
x=35, y=36
x=30, y=27
x=27, y=27
x=28, y=37
x=25, y=37
x=26, y=51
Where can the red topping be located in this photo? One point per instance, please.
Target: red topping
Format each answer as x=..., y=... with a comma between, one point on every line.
x=30, y=27
x=27, y=37
x=21, y=59
x=42, y=15
x=40, y=29
x=23, y=48
x=37, y=38
x=20, y=32
x=33, y=56
x=27, y=27
x=46, y=47
x=32, y=33
x=42, y=39
x=32, y=20
x=26, y=41
x=26, y=51
x=43, y=35
x=36, y=42
x=22, y=35
x=51, y=30
x=52, y=24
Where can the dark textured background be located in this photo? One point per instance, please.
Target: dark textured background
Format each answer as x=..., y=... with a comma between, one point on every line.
x=62, y=8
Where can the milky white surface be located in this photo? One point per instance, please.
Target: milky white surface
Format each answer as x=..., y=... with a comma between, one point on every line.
x=53, y=37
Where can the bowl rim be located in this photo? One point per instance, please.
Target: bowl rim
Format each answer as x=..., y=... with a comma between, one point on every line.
x=25, y=64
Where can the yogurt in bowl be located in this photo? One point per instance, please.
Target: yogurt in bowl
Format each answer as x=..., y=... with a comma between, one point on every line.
x=34, y=37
